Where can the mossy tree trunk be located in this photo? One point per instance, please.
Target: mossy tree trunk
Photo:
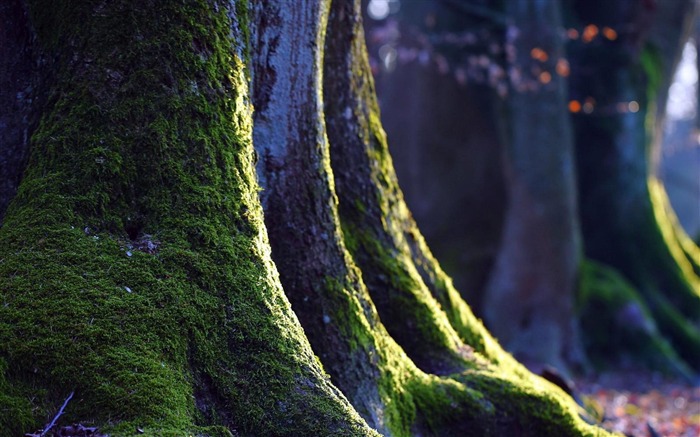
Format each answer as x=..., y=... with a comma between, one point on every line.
x=626, y=219
x=135, y=269
x=134, y=263
x=383, y=318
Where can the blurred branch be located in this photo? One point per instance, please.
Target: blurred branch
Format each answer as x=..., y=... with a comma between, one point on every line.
x=477, y=11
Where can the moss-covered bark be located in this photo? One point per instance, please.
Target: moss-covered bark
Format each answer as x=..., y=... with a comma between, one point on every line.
x=384, y=319
x=135, y=270
x=134, y=266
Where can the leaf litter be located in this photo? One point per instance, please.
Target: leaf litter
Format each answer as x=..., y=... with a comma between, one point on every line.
x=644, y=405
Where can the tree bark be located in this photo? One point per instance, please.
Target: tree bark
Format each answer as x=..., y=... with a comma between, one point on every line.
x=18, y=83
x=135, y=270
x=344, y=242
x=380, y=313
x=529, y=302
x=135, y=266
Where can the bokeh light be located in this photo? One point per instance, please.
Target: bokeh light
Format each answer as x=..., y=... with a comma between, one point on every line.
x=589, y=33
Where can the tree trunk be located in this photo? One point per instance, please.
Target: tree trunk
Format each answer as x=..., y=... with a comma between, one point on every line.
x=135, y=270
x=18, y=86
x=623, y=208
x=529, y=299
x=380, y=313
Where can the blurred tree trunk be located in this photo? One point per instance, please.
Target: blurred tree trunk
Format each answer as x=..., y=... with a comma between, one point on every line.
x=529, y=303
x=135, y=269
x=435, y=148
x=492, y=182
x=621, y=58
x=17, y=89
x=625, y=214
x=444, y=131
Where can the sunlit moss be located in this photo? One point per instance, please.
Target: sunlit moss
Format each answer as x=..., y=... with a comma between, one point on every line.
x=685, y=252
x=483, y=390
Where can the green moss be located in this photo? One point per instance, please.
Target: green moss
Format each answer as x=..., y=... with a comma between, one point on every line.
x=147, y=140
x=541, y=408
x=491, y=400
x=684, y=252
x=652, y=65
x=17, y=409
x=347, y=312
x=397, y=289
x=618, y=325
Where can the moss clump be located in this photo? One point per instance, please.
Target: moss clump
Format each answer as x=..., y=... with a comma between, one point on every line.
x=618, y=325
x=542, y=408
x=397, y=290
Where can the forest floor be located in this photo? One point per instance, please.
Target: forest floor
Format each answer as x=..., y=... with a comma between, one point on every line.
x=644, y=405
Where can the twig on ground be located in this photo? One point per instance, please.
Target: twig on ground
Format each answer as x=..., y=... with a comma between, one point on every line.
x=55, y=418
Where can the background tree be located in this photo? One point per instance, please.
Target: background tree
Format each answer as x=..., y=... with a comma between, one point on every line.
x=135, y=270
x=529, y=302
x=614, y=158
x=605, y=41
x=438, y=80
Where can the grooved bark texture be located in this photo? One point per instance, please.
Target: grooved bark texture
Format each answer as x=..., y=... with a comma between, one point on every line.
x=418, y=363
x=299, y=200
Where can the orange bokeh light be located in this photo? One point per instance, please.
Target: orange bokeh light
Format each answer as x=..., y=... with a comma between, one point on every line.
x=589, y=32
x=563, y=67
x=545, y=77
x=610, y=33
x=574, y=106
x=572, y=33
x=539, y=54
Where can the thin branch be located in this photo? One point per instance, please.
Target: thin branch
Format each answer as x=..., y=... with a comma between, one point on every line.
x=55, y=418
